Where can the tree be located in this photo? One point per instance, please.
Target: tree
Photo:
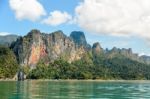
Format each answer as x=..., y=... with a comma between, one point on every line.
x=8, y=63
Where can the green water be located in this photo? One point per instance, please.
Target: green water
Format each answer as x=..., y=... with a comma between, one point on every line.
x=74, y=90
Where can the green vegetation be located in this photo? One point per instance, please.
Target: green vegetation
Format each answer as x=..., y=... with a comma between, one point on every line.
x=89, y=67
x=8, y=63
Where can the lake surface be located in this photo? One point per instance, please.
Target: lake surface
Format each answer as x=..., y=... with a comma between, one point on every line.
x=75, y=90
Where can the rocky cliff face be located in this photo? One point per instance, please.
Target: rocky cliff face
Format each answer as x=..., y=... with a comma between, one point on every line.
x=117, y=52
x=37, y=46
x=123, y=52
x=79, y=39
x=96, y=48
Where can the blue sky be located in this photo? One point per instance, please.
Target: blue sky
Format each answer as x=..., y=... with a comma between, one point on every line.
x=109, y=27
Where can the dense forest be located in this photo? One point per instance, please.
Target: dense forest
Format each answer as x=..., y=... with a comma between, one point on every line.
x=91, y=68
x=8, y=63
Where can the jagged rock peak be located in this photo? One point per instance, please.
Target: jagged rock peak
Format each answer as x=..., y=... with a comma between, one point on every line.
x=58, y=34
x=130, y=50
x=97, y=47
x=126, y=51
x=78, y=37
x=122, y=50
x=115, y=49
x=33, y=32
x=37, y=46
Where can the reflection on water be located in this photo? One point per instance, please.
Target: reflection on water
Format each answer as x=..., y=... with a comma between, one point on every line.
x=74, y=90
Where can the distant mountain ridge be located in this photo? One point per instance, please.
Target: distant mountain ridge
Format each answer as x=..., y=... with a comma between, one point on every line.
x=37, y=46
x=8, y=39
x=129, y=54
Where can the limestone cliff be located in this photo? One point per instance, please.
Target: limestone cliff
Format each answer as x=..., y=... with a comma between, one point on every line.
x=97, y=49
x=47, y=47
x=79, y=39
x=37, y=46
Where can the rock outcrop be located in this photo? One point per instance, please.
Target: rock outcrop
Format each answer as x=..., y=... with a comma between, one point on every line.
x=79, y=39
x=37, y=46
x=96, y=48
x=128, y=53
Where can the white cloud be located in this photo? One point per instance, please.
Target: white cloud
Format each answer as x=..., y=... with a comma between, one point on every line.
x=141, y=54
x=27, y=9
x=4, y=33
x=115, y=17
x=57, y=18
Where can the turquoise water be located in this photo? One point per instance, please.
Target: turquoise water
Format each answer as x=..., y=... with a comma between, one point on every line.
x=74, y=90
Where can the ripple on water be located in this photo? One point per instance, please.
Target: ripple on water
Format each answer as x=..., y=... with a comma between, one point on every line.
x=74, y=90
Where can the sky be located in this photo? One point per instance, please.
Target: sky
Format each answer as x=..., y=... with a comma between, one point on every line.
x=120, y=23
